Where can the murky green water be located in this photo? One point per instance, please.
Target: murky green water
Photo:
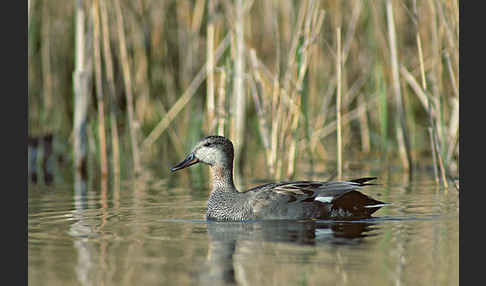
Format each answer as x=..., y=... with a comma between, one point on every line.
x=151, y=234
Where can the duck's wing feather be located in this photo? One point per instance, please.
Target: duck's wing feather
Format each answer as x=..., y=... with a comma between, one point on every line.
x=313, y=199
x=309, y=190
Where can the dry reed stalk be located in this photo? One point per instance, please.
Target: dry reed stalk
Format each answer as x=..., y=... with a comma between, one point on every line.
x=437, y=69
x=275, y=128
x=115, y=142
x=312, y=27
x=284, y=103
x=221, y=114
x=325, y=106
x=434, y=154
x=404, y=145
x=239, y=91
x=309, y=23
x=332, y=82
x=338, y=106
x=433, y=117
x=453, y=135
x=116, y=191
x=450, y=37
x=364, y=130
x=142, y=64
x=453, y=122
x=210, y=69
x=81, y=79
x=183, y=11
x=455, y=89
x=263, y=76
x=441, y=163
x=142, y=54
x=128, y=86
x=421, y=61
x=294, y=45
x=453, y=149
x=184, y=99
x=419, y=43
x=284, y=111
x=99, y=91
x=453, y=130
x=262, y=122
x=198, y=14
x=277, y=43
x=260, y=115
x=47, y=79
x=423, y=98
x=357, y=7
x=295, y=113
x=345, y=119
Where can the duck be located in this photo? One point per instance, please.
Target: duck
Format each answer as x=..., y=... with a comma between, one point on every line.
x=286, y=200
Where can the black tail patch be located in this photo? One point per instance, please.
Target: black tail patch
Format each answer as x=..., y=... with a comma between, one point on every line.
x=355, y=204
x=362, y=181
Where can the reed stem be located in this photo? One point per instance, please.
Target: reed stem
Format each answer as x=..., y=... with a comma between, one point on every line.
x=401, y=127
x=441, y=163
x=81, y=80
x=365, y=129
x=107, y=56
x=47, y=78
x=239, y=91
x=338, y=106
x=221, y=103
x=210, y=104
x=99, y=91
x=128, y=86
x=434, y=154
x=210, y=72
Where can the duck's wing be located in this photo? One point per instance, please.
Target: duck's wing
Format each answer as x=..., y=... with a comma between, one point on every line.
x=308, y=191
x=306, y=198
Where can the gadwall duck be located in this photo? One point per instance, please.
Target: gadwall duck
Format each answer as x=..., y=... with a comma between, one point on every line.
x=283, y=200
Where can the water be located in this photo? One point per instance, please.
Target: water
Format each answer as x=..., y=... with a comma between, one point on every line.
x=152, y=234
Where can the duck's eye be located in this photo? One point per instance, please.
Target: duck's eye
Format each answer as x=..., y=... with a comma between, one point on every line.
x=207, y=144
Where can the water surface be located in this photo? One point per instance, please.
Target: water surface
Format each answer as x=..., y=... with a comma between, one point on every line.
x=152, y=234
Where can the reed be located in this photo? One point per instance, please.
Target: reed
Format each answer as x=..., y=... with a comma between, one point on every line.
x=184, y=99
x=210, y=102
x=221, y=114
x=434, y=154
x=99, y=89
x=238, y=95
x=81, y=79
x=339, y=135
x=127, y=79
x=260, y=106
x=401, y=128
x=110, y=79
x=276, y=90
x=47, y=74
x=284, y=100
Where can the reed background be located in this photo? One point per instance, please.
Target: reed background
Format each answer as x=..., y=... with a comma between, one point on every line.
x=290, y=82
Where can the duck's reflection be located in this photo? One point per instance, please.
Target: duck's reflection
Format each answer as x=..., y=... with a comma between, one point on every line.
x=228, y=238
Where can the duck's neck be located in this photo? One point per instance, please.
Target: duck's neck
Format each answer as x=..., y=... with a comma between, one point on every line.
x=222, y=178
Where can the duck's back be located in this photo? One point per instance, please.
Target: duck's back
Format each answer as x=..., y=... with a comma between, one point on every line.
x=311, y=200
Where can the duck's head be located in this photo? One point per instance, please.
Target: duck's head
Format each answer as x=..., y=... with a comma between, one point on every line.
x=212, y=150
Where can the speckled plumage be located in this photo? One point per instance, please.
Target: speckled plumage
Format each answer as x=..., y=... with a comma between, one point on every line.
x=284, y=200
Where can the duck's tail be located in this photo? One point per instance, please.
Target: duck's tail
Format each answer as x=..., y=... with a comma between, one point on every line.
x=354, y=204
x=363, y=181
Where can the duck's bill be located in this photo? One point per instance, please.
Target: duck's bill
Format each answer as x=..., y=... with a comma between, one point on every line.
x=190, y=160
